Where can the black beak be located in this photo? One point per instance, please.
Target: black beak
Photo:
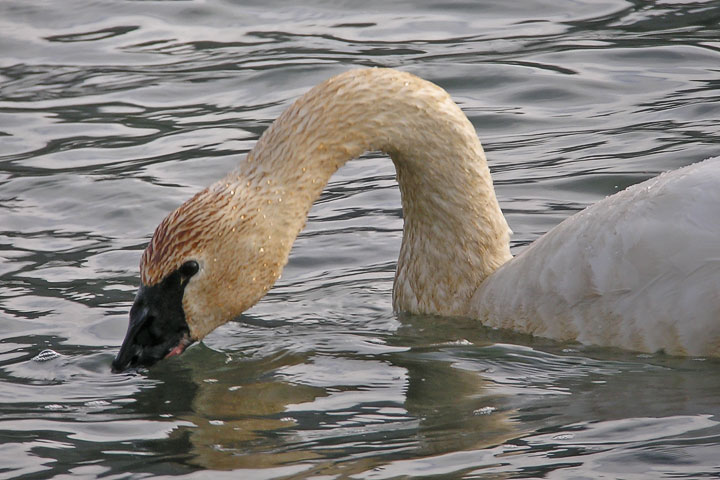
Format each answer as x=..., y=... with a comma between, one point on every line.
x=157, y=327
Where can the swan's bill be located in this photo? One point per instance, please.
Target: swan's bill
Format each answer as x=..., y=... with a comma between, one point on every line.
x=158, y=328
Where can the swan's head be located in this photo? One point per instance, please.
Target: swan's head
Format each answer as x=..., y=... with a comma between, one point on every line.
x=208, y=261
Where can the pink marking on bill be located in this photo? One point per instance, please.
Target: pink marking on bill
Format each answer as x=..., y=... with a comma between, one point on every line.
x=179, y=348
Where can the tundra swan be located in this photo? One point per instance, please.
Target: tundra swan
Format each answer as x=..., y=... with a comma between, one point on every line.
x=639, y=270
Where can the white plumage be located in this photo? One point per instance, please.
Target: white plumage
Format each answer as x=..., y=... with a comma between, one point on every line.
x=638, y=270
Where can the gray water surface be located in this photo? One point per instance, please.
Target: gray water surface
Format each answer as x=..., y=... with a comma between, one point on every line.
x=114, y=113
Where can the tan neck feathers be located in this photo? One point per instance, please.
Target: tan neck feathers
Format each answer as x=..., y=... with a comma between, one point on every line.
x=455, y=234
x=240, y=230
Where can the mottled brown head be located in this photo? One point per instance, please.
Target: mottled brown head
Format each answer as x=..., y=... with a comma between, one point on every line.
x=207, y=262
x=182, y=235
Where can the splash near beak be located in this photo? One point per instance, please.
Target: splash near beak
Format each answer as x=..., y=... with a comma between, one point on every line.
x=157, y=328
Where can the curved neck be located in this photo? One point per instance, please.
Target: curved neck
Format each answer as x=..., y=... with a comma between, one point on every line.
x=454, y=232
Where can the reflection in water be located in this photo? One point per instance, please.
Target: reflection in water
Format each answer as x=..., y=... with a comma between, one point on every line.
x=292, y=408
x=447, y=396
x=237, y=415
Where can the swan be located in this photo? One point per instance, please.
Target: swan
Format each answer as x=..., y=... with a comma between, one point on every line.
x=639, y=270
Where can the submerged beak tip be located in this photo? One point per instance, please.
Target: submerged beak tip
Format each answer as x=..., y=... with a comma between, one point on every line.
x=122, y=361
x=132, y=355
x=117, y=366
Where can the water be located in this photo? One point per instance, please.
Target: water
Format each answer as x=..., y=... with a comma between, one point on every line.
x=113, y=113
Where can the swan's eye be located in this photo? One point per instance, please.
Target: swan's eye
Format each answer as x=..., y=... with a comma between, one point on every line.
x=188, y=269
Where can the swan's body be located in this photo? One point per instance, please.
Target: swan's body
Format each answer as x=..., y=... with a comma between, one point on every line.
x=639, y=270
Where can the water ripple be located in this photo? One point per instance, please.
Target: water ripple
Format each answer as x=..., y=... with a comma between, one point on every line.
x=111, y=116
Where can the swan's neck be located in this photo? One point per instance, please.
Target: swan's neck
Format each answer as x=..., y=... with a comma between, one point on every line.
x=454, y=232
